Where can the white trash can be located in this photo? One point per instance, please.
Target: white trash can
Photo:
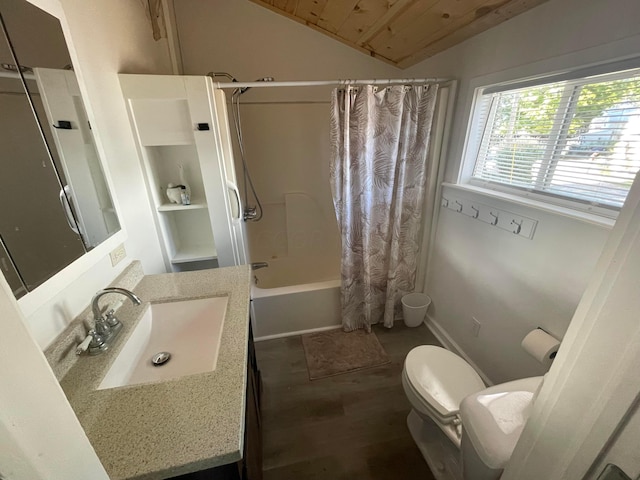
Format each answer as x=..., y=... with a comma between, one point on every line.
x=414, y=308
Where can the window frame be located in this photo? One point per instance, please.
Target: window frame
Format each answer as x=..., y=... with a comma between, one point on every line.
x=474, y=134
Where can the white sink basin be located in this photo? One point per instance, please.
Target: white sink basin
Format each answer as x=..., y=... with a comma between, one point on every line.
x=189, y=330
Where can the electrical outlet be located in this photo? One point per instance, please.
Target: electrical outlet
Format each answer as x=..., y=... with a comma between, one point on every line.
x=476, y=327
x=117, y=255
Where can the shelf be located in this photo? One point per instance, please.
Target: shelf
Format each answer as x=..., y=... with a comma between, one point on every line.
x=169, y=143
x=195, y=253
x=172, y=207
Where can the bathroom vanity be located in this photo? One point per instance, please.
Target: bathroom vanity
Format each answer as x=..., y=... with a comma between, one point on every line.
x=204, y=425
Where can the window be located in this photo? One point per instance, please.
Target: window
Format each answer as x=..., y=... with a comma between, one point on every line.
x=575, y=140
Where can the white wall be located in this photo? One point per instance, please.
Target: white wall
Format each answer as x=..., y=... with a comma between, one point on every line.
x=40, y=436
x=111, y=37
x=286, y=130
x=106, y=38
x=511, y=284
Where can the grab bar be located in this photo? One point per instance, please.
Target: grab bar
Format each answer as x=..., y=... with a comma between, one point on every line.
x=234, y=189
x=64, y=202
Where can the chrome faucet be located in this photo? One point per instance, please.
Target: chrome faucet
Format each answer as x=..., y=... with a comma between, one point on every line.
x=107, y=326
x=250, y=213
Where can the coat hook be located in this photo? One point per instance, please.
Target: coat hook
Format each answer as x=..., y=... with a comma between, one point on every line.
x=518, y=226
x=495, y=218
x=459, y=205
x=476, y=211
x=445, y=202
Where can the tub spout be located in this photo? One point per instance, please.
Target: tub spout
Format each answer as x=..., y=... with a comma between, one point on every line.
x=257, y=265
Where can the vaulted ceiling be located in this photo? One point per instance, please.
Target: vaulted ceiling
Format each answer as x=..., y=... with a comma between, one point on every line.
x=400, y=32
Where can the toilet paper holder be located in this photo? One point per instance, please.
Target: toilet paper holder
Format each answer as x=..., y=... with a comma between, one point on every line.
x=541, y=345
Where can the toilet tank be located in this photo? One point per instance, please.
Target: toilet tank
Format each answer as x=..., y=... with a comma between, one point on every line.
x=492, y=421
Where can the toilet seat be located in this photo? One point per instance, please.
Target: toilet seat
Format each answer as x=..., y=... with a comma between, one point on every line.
x=439, y=380
x=421, y=405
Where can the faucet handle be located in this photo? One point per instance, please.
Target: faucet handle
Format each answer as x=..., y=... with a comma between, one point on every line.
x=82, y=347
x=94, y=341
x=110, y=318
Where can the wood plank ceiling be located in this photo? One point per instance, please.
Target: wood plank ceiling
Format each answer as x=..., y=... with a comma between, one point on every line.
x=400, y=32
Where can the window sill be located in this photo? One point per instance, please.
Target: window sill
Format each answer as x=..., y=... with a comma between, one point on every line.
x=593, y=219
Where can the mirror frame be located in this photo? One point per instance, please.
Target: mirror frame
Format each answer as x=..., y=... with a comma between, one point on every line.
x=37, y=298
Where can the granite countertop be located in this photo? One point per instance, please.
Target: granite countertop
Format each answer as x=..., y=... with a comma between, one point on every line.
x=160, y=430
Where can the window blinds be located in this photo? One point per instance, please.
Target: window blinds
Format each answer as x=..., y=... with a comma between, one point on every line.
x=577, y=139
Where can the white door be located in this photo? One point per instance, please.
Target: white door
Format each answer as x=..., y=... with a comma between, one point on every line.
x=586, y=414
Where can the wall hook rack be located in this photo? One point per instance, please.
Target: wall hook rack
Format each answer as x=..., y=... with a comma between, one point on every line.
x=518, y=225
x=513, y=223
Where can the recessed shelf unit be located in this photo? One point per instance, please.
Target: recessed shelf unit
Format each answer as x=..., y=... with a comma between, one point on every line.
x=186, y=229
x=182, y=131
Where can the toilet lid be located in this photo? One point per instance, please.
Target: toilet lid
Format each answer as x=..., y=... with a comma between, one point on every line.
x=441, y=377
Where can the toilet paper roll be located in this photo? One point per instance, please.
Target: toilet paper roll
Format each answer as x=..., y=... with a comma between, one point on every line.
x=541, y=346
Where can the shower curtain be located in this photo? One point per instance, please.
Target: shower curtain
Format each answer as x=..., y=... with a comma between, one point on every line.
x=379, y=141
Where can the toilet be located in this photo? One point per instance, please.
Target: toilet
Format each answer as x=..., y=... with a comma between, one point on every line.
x=481, y=425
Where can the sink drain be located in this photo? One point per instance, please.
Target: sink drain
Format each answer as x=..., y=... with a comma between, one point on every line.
x=160, y=358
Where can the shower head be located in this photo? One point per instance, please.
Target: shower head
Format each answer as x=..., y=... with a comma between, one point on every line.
x=222, y=74
x=263, y=79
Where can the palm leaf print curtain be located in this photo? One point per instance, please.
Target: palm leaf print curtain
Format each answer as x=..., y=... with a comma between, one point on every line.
x=379, y=141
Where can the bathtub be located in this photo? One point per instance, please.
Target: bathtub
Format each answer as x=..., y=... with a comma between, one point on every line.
x=294, y=296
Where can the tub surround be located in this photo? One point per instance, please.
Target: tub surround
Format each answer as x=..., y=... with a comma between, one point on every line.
x=165, y=429
x=296, y=295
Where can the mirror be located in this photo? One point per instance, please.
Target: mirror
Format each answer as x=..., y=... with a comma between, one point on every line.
x=55, y=203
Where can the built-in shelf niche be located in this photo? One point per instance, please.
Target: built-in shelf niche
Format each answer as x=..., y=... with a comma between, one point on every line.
x=172, y=207
x=164, y=163
x=190, y=236
x=187, y=228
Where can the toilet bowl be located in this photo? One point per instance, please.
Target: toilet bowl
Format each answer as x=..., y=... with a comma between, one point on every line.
x=483, y=423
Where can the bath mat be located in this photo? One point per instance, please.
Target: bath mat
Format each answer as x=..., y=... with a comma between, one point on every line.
x=336, y=352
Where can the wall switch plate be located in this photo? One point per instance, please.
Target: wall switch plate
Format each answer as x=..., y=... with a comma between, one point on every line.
x=117, y=255
x=476, y=327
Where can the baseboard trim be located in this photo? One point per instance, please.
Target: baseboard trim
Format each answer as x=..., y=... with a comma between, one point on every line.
x=297, y=332
x=445, y=339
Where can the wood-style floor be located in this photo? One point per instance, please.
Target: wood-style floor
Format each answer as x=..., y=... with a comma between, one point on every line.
x=350, y=426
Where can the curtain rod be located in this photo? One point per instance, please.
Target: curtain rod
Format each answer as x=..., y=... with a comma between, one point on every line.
x=320, y=83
